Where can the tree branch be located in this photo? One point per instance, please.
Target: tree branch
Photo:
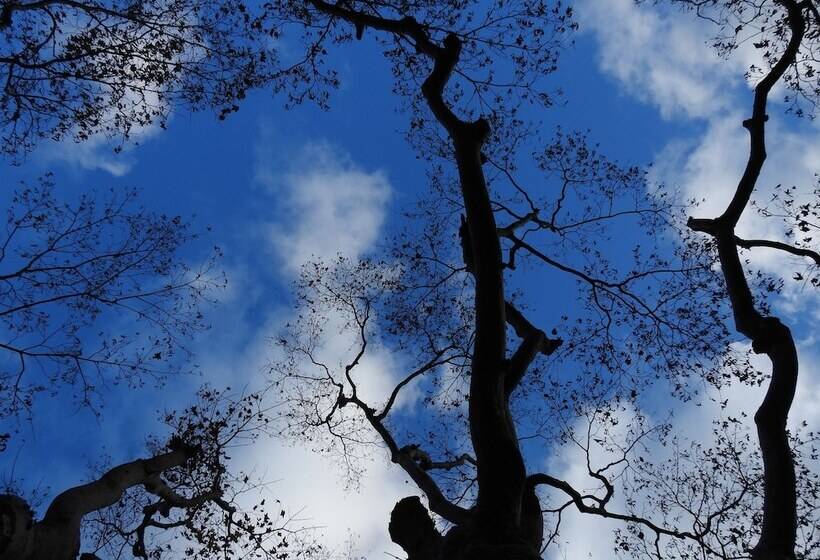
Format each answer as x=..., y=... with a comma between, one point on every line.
x=534, y=341
x=601, y=511
x=73, y=504
x=798, y=251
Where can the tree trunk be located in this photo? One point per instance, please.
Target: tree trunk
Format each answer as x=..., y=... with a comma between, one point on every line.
x=413, y=530
x=768, y=335
x=57, y=535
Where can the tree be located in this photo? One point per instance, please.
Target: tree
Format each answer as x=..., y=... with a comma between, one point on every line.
x=69, y=266
x=185, y=487
x=789, y=22
x=505, y=518
x=641, y=321
x=73, y=270
x=80, y=68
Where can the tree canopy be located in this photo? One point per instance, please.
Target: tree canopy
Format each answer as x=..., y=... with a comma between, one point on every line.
x=660, y=289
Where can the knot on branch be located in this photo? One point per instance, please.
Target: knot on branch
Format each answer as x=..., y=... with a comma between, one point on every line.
x=481, y=130
x=452, y=46
x=410, y=23
x=342, y=401
x=753, y=122
x=411, y=27
x=527, y=331
x=153, y=483
x=550, y=345
x=412, y=529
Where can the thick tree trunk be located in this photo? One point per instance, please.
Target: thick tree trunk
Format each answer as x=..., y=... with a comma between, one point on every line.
x=413, y=530
x=779, y=530
x=57, y=535
x=16, y=524
x=500, y=465
x=501, y=472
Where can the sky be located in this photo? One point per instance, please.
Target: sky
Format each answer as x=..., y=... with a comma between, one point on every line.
x=278, y=188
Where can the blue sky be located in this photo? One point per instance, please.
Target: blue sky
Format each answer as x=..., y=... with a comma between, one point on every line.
x=276, y=187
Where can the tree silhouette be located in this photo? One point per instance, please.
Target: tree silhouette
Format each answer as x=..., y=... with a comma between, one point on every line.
x=485, y=495
x=80, y=68
x=447, y=297
x=786, y=45
x=72, y=271
x=69, y=266
x=184, y=489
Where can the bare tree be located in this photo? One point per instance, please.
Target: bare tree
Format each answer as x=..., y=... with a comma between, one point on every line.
x=484, y=493
x=69, y=267
x=79, y=68
x=460, y=340
x=790, y=54
x=453, y=308
x=186, y=489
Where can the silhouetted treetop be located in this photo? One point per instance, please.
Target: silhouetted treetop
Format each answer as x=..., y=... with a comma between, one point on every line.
x=765, y=26
x=648, y=312
x=93, y=292
x=79, y=68
x=187, y=499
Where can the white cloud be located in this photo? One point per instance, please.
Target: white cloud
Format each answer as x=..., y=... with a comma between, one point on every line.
x=806, y=406
x=708, y=169
x=310, y=484
x=693, y=421
x=330, y=205
x=662, y=59
x=96, y=153
x=569, y=464
x=98, y=150
x=333, y=206
x=375, y=375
